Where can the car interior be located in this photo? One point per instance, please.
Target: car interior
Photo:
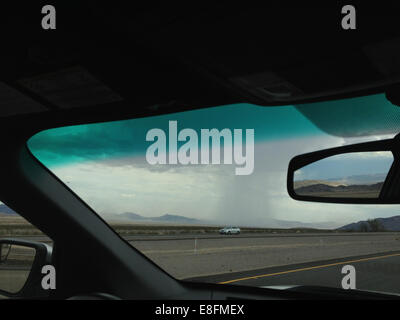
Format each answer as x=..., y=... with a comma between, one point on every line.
x=107, y=62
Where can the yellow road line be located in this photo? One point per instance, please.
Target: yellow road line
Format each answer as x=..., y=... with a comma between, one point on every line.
x=310, y=268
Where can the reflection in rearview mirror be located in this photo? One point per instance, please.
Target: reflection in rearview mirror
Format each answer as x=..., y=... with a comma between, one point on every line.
x=348, y=175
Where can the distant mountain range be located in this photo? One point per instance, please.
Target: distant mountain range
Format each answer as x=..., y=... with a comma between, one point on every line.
x=389, y=224
x=171, y=218
x=6, y=210
x=324, y=187
x=288, y=224
x=168, y=218
x=362, y=179
x=306, y=183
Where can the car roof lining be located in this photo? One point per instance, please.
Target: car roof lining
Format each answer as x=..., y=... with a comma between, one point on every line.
x=161, y=59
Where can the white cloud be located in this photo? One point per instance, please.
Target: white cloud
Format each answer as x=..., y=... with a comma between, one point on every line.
x=212, y=192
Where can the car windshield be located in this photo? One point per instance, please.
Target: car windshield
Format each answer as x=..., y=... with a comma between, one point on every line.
x=183, y=178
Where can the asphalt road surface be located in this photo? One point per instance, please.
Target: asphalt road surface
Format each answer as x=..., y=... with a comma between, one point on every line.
x=278, y=259
x=282, y=260
x=376, y=272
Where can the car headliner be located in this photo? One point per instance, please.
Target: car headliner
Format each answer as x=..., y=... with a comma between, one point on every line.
x=160, y=59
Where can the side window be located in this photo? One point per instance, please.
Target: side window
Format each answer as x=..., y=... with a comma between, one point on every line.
x=16, y=261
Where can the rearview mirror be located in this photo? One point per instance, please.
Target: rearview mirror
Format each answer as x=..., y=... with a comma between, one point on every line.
x=20, y=267
x=360, y=173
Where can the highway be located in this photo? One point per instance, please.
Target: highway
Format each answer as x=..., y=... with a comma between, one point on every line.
x=376, y=272
x=306, y=259
x=277, y=259
x=193, y=236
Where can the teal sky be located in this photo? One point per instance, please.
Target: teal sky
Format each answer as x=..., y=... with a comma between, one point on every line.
x=68, y=145
x=105, y=163
x=360, y=116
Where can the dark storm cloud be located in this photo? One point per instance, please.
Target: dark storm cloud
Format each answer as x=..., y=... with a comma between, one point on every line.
x=123, y=139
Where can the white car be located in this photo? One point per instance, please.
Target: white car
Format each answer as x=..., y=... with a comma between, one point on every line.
x=230, y=230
